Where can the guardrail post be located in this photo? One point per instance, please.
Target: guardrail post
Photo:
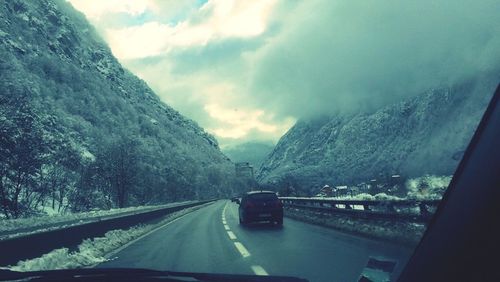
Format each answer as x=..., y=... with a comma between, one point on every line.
x=366, y=207
x=390, y=208
x=424, y=211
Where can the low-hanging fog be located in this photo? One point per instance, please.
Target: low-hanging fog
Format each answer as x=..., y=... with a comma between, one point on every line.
x=353, y=55
x=248, y=70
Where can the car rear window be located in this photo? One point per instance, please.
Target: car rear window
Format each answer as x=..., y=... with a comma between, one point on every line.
x=263, y=196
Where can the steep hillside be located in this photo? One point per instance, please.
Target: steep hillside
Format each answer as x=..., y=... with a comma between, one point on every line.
x=426, y=134
x=253, y=152
x=82, y=131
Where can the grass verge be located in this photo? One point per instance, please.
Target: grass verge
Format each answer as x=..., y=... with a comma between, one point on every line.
x=406, y=233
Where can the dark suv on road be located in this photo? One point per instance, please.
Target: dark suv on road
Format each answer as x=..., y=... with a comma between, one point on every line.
x=261, y=206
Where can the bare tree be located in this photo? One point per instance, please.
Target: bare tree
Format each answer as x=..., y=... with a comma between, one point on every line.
x=119, y=166
x=22, y=152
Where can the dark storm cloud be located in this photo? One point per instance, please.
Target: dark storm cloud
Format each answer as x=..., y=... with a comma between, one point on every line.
x=273, y=62
x=345, y=55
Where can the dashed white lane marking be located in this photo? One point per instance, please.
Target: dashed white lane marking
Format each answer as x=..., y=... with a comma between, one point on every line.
x=231, y=235
x=239, y=246
x=243, y=251
x=224, y=218
x=258, y=270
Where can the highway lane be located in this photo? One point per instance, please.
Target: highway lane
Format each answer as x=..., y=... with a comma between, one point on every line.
x=211, y=240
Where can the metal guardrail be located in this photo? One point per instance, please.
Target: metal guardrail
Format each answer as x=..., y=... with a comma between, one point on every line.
x=409, y=210
x=34, y=245
x=23, y=231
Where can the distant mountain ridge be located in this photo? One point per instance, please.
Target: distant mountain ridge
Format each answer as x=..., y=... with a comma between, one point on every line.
x=426, y=134
x=253, y=152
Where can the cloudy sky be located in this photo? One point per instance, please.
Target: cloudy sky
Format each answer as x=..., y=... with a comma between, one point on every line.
x=247, y=70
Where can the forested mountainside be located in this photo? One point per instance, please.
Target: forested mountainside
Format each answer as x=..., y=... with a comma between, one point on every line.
x=425, y=134
x=78, y=131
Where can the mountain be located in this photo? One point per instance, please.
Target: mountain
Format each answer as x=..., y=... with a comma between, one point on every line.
x=253, y=152
x=79, y=131
x=425, y=134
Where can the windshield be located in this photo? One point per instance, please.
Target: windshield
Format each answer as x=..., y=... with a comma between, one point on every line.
x=311, y=139
x=262, y=197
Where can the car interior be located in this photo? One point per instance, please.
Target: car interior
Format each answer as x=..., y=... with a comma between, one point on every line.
x=462, y=240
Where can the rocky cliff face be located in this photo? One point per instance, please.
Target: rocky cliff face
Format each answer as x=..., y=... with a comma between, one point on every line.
x=55, y=69
x=426, y=134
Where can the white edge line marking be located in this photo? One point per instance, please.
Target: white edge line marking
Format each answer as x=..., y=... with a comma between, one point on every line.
x=224, y=222
x=243, y=251
x=231, y=235
x=259, y=270
x=115, y=251
x=226, y=227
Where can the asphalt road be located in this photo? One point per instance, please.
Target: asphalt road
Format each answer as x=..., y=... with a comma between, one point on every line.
x=211, y=240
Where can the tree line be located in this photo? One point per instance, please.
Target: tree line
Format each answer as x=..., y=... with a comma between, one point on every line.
x=40, y=166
